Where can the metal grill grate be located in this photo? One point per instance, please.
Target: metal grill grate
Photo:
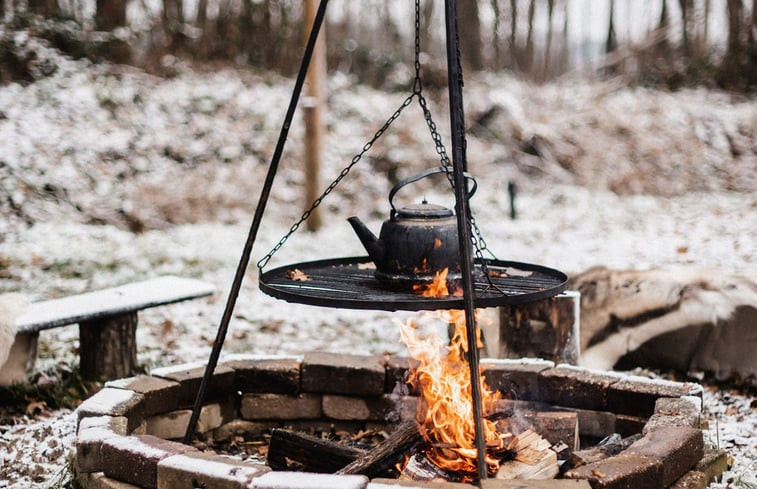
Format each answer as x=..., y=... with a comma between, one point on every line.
x=348, y=283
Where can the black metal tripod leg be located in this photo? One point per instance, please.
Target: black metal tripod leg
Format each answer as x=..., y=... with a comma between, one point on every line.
x=264, y=194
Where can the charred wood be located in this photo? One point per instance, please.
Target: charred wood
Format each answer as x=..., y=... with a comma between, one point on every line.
x=294, y=451
x=381, y=460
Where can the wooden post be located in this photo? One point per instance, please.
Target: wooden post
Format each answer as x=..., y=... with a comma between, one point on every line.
x=546, y=329
x=312, y=109
x=108, y=347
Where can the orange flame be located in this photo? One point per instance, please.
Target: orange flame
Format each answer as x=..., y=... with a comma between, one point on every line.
x=445, y=413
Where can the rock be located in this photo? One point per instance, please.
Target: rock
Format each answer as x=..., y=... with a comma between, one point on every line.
x=11, y=306
x=687, y=320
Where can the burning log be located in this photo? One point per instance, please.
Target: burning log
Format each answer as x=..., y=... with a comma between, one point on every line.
x=381, y=460
x=289, y=450
x=534, y=459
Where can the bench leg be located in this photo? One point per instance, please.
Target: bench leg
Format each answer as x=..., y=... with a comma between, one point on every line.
x=108, y=347
x=21, y=358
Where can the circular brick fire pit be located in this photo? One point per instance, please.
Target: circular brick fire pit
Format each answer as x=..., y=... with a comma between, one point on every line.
x=126, y=432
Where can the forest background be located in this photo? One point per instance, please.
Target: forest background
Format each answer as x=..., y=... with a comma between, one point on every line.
x=670, y=43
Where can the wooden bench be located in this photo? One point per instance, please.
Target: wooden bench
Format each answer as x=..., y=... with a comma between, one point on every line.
x=107, y=322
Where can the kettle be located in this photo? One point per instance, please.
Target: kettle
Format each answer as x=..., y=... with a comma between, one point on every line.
x=416, y=241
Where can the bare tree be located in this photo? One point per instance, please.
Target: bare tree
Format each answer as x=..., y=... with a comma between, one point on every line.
x=513, y=33
x=470, y=33
x=495, y=34
x=45, y=8
x=548, y=47
x=733, y=61
x=611, y=43
x=110, y=14
x=687, y=14
x=529, y=55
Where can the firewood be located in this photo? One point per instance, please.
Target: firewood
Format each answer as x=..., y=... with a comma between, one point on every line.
x=420, y=468
x=534, y=459
x=290, y=450
x=381, y=460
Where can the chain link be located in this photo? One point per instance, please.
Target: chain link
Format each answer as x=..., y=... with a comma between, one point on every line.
x=476, y=238
x=355, y=159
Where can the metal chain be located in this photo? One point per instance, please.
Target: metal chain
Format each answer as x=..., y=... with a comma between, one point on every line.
x=477, y=239
x=355, y=159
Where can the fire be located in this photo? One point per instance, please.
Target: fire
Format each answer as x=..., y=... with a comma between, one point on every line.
x=445, y=411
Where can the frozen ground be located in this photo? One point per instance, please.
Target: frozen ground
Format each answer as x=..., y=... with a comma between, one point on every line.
x=109, y=175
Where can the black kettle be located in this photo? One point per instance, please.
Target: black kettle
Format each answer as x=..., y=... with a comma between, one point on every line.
x=416, y=241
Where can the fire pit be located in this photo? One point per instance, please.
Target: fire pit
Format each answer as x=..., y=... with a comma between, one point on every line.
x=127, y=431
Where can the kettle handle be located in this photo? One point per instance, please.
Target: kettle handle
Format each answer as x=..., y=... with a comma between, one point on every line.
x=424, y=174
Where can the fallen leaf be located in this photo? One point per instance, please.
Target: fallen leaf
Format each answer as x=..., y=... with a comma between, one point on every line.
x=682, y=250
x=297, y=275
x=35, y=406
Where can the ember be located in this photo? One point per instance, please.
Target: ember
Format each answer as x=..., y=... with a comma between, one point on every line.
x=444, y=413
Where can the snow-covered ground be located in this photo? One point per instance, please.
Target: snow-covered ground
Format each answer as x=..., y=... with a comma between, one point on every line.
x=109, y=175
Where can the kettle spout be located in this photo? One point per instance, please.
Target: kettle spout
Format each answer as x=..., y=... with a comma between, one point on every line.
x=372, y=244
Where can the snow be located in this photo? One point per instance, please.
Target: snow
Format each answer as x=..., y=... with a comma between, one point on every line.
x=109, y=175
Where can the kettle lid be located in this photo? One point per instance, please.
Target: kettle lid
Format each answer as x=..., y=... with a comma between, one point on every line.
x=424, y=210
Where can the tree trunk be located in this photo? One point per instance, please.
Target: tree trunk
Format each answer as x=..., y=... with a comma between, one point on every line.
x=470, y=34
x=687, y=12
x=497, y=61
x=173, y=22
x=565, y=48
x=730, y=73
x=548, y=48
x=513, y=34
x=312, y=114
x=108, y=347
x=45, y=8
x=110, y=14
x=611, y=43
x=529, y=56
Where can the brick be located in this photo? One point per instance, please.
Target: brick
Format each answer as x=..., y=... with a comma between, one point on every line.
x=357, y=408
x=134, y=459
x=100, y=481
x=205, y=470
x=636, y=396
x=596, y=424
x=535, y=484
x=332, y=373
x=304, y=480
x=256, y=374
x=678, y=448
x=714, y=462
x=404, y=484
x=90, y=435
x=517, y=378
x=189, y=376
x=280, y=406
x=570, y=386
x=678, y=411
x=160, y=395
x=241, y=427
x=621, y=472
x=317, y=426
x=114, y=402
x=691, y=480
x=173, y=425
